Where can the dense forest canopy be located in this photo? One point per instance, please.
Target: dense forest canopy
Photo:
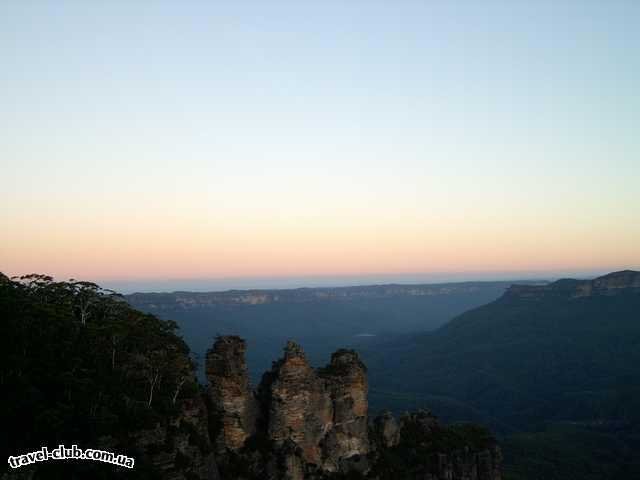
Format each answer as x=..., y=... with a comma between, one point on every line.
x=81, y=366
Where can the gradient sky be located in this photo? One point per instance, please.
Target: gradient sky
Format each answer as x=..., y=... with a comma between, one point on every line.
x=147, y=140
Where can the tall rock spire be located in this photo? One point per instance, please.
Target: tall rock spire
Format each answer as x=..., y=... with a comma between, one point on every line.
x=232, y=401
x=299, y=406
x=346, y=380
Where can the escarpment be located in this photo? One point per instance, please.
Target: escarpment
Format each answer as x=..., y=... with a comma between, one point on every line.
x=306, y=423
x=612, y=284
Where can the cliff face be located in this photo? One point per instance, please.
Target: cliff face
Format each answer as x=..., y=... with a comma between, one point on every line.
x=306, y=423
x=611, y=284
x=195, y=300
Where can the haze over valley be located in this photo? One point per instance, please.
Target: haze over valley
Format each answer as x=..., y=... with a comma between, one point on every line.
x=322, y=319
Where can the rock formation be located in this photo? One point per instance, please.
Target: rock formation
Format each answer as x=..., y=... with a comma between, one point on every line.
x=298, y=404
x=306, y=423
x=386, y=430
x=346, y=381
x=178, y=449
x=232, y=404
x=323, y=412
x=430, y=451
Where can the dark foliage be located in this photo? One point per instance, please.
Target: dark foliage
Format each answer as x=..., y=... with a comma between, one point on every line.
x=416, y=454
x=528, y=367
x=81, y=366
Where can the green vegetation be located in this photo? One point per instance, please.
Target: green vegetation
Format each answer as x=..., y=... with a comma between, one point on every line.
x=523, y=362
x=81, y=366
x=520, y=365
x=572, y=452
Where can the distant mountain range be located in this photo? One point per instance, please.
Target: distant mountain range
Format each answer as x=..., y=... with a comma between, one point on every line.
x=321, y=319
x=306, y=295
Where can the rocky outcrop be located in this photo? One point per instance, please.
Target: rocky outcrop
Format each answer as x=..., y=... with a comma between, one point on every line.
x=626, y=281
x=346, y=381
x=306, y=423
x=313, y=420
x=191, y=440
x=431, y=451
x=233, y=408
x=179, y=449
x=386, y=430
x=299, y=405
x=323, y=412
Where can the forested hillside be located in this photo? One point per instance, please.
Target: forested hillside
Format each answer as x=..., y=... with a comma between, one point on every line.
x=81, y=366
x=552, y=361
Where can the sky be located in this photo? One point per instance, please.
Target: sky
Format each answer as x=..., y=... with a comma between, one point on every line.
x=151, y=141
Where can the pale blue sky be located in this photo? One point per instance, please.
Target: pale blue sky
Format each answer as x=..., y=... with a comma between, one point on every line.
x=518, y=115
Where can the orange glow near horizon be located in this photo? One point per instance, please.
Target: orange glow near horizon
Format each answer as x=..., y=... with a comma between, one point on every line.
x=122, y=249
